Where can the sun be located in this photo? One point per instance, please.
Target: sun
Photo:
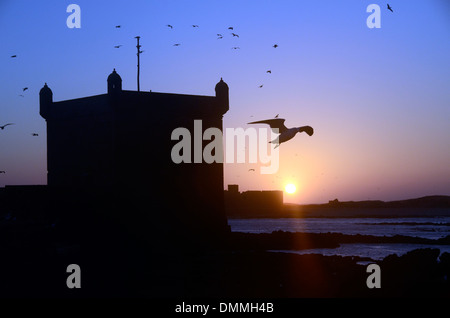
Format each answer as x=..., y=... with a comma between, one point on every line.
x=290, y=188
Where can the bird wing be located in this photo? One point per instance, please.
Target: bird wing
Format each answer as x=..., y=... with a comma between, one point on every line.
x=307, y=129
x=277, y=123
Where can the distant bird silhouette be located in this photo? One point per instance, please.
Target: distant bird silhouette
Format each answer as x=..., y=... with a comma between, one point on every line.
x=389, y=8
x=277, y=115
x=170, y=26
x=230, y=28
x=2, y=171
x=117, y=46
x=285, y=133
x=260, y=86
x=220, y=37
x=235, y=47
x=3, y=127
x=118, y=26
x=275, y=45
x=195, y=26
x=13, y=56
x=218, y=34
x=251, y=169
x=177, y=44
x=269, y=71
x=34, y=134
x=24, y=89
x=234, y=34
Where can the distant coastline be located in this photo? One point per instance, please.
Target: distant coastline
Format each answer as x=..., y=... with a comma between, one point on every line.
x=428, y=206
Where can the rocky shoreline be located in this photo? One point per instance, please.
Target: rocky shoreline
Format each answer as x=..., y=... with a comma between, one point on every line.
x=35, y=258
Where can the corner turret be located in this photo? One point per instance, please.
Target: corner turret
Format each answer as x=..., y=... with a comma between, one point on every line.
x=222, y=95
x=114, y=83
x=45, y=101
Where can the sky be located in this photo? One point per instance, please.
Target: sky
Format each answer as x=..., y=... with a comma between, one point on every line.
x=377, y=98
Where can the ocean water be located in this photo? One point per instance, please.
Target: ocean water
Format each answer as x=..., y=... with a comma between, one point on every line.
x=430, y=228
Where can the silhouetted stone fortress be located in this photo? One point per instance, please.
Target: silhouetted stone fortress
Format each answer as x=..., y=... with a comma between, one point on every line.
x=115, y=149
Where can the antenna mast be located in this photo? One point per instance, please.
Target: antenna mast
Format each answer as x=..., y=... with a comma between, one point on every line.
x=138, y=53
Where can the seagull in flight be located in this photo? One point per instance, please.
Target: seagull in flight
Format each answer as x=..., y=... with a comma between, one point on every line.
x=24, y=89
x=34, y=134
x=234, y=34
x=260, y=86
x=177, y=44
x=117, y=46
x=269, y=71
x=118, y=26
x=220, y=37
x=235, y=47
x=285, y=134
x=169, y=26
x=3, y=127
x=230, y=28
x=218, y=34
x=13, y=56
x=195, y=26
x=389, y=8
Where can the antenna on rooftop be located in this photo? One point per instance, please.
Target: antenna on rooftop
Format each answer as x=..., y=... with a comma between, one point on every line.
x=138, y=53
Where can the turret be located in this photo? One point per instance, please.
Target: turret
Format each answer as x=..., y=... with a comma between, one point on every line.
x=222, y=95
x=114, y=83
x=45, y=101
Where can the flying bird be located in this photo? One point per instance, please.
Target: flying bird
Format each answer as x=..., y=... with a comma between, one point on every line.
x=285, y=134
x=220, y=37
x=3, y=127
x=118, y=26
x=234, y=34
x=2, y=171
x=34, y=134
x=195, y=26
x=275, y=45
x=177, y=44
x=218, y=34
x=24, y=89
x=260, y=86
x=269, y=71
x=170, y=26
x=235, y=47
x=230, y=28
x=389, y=8
x=117, y=46
x=251, y=169
x=13, y=56
x=277, y=115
